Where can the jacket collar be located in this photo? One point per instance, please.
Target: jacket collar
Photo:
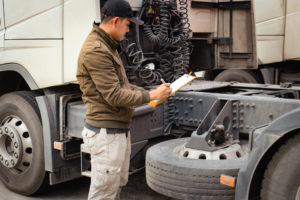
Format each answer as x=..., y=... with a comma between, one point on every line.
x=113, y=44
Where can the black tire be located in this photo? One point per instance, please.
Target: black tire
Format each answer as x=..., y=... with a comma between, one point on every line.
x=282, y=177
x=28, y=175
x=238, y=75
x=181, y=178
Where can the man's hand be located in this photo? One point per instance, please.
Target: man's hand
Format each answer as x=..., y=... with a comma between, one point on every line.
x=160, y=92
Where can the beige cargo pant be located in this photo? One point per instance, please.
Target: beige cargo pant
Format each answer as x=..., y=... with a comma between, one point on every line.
x=110, y=157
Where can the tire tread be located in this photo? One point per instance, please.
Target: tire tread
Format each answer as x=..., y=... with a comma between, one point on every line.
x=275, y=184
x=168, y=174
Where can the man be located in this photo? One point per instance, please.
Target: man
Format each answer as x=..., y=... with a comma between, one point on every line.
x=109, y=100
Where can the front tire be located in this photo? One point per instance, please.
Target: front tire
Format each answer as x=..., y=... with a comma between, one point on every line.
x=281, y=180
x=22, y=167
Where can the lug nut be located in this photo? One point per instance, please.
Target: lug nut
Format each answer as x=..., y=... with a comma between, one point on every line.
x=271, y=115
x=12, y=162
x=1, y=157
x=6, y=162
x=12, y=135
x=16, y=155
x=16, y=145
x=6, y=129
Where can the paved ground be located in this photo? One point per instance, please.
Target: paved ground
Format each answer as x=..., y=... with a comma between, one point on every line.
x=136, y=189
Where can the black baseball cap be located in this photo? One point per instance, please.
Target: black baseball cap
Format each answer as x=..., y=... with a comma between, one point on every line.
x=120, y=8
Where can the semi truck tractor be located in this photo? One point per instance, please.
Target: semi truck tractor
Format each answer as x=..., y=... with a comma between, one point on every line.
x=211, y=140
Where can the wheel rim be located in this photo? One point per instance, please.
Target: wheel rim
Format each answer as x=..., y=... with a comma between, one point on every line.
x=232, y=152
x=15, y=145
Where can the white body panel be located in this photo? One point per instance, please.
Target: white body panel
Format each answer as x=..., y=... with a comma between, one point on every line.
x=292, y=31
x=43, y=25
x=135, y=5
x=277, y=30
x=78, y=19
x=41, y=58
x=270, y=22
x=2, y=30
x=17, y=11
x=268, y=9
x=270, y=48
x=272, y=27
x=45, y=36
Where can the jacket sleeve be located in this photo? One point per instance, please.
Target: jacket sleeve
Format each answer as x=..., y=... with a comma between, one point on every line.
x=104, y=75
x=135, y=87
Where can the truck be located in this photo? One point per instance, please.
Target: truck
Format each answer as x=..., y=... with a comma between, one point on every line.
x=237, y=133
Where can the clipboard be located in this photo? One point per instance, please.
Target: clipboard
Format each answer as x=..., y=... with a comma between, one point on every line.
x=175, y=86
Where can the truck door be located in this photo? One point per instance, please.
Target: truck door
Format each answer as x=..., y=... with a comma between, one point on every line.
x=2, y=25
x=76, y=28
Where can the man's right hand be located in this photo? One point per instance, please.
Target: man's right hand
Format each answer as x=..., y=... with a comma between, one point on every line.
x=160, y=92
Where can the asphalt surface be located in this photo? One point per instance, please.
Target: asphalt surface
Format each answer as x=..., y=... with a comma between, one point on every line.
x=136, y=189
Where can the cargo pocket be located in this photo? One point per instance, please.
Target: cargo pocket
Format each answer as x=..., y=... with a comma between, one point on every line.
x=87, y=136
x=106, y=177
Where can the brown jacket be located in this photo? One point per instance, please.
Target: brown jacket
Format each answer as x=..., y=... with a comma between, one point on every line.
x=107, y=94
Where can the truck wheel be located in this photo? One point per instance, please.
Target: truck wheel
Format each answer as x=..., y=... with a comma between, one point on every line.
x=281, y=180
x=180, y=177
x=238, y=75
x=22, y=167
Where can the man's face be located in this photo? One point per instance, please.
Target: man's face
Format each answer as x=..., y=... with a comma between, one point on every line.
x=121, y=28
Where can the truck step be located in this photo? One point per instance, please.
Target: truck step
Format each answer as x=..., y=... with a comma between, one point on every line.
x=85, y=160
x=86, y=173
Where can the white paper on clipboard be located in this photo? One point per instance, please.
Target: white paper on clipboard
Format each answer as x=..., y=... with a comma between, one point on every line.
x=175, y=86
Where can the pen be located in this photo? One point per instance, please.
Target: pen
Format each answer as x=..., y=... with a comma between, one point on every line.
x=162, y=80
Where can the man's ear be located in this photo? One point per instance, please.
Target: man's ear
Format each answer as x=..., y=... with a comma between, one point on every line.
x=115, y=20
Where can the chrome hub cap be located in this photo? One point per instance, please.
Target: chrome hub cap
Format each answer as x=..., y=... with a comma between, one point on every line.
x=228, y=153
x=15, y=145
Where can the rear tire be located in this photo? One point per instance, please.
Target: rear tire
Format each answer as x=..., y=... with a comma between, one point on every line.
x=182, y=178
x=281, y=180
x=238, y=75
x=20, y=118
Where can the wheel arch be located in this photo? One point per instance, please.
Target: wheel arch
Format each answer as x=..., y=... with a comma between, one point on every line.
x=48, y=108
x=17, y=74
x=15, y=77
x=258, y=174
x=265, y=146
